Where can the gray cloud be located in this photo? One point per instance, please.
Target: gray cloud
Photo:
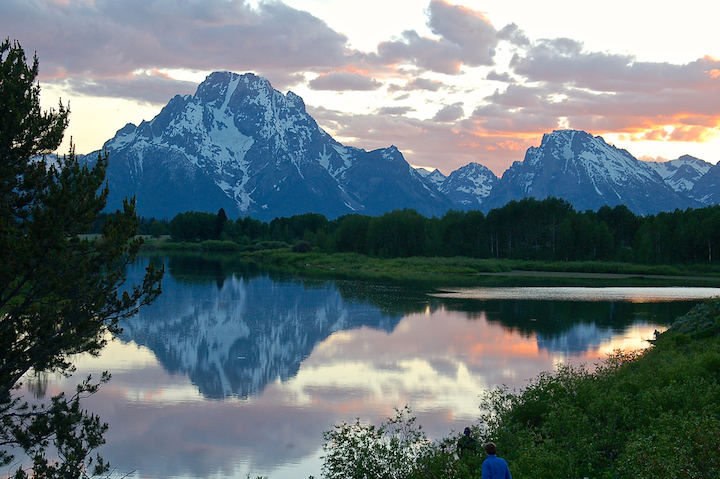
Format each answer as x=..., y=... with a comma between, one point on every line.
x=563, y=61
x=282, y=80
x=148, y=88
x=600, y=92
x=117, y=37
x=344, y=81
x=504, y=77
x=492, y=119
x=394, y=110
x=417, y=84
x=450, y=113
x=470, y=30
x=439, y=56
x=466, y=38
x=447, y=146
x=538, y=107
x=511, y=33
x=520, y=96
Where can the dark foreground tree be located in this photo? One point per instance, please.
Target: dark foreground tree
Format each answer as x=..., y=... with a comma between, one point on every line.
x=61, y=293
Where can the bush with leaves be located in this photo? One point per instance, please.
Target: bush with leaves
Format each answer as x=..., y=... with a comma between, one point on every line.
x=364, y=451
x=398, y=449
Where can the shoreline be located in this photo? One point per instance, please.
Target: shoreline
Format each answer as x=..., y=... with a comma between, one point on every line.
x=456, y=269
x=581, y=275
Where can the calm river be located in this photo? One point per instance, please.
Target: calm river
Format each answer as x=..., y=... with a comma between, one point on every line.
x=236, y=372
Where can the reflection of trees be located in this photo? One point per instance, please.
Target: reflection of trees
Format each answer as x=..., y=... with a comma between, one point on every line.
x=412, y=296
x=552, y=319
x=195, y=268
x=549, y=318
x=390, y=297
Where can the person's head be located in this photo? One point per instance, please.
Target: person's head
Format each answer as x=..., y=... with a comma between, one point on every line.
x=466, y=431
x=490, y=448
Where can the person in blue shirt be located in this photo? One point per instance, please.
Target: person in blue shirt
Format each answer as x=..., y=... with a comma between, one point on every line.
x=494, y=467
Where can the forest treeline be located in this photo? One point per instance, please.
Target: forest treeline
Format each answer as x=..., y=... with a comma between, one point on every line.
x=528, y=229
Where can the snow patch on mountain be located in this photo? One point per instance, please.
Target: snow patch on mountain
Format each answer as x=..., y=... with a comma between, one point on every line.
x=123, y=137
x=435, y=176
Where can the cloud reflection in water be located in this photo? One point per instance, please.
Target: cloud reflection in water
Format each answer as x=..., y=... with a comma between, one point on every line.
x=437, y=362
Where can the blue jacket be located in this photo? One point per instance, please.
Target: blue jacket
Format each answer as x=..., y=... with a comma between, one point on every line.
x=494, y=467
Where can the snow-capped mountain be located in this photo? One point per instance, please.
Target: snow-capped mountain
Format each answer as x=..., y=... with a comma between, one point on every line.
x=683, y=173
x=243, y=146
x=469, y=186
x=589, y=173
x=466, y=187
x=240, y=145
x=435, y=176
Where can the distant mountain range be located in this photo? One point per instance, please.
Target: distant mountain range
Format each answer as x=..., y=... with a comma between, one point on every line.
x=240, y=145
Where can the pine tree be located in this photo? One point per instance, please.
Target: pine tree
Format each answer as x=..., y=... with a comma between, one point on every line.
x=220, y=221
x=59, y=289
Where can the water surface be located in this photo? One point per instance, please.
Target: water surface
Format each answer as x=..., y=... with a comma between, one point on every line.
x=237, y=372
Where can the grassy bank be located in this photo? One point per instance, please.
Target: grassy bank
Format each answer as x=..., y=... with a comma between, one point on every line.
x=455, y=270
x=655, y=414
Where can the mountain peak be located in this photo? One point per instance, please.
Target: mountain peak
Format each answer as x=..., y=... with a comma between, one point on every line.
x=682, y=174
x=575, y=144
x=588, y=172
x=469, y=186
x=240, y=145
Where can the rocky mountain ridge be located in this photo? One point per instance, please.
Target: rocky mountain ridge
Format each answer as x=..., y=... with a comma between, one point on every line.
x=240, y=145
x=467, y=187
x=589, y=173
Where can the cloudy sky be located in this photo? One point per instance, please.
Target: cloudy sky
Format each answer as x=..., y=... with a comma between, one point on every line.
x=447, y=83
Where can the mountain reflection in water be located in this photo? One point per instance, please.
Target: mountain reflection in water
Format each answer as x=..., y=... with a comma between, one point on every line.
x=235, y=371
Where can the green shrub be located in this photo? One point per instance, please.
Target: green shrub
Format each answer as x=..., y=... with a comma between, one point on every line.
x=301, y=247
x=360, y=451
x=217, y=245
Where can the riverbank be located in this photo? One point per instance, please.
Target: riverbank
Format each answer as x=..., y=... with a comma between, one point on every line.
x=454, y=270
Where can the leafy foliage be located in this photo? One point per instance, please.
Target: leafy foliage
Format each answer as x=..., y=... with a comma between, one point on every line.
x=363, y=451
x=398, y=449
x=60, y=292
